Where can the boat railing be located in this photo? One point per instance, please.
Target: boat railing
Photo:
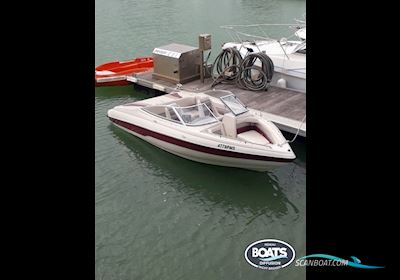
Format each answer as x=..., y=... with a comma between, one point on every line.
x=236, y=31
x=239, y=33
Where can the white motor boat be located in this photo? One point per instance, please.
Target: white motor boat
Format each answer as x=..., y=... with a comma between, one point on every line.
x=301, y=28
x=301, y=33
x=288, y=56
x=194, y=127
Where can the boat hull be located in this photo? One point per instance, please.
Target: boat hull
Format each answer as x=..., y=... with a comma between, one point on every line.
x=200, y=153
x=118, y=81
x=293, y=82
x=115, y=73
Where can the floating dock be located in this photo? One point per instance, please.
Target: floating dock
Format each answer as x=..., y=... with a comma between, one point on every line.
x=284, y=107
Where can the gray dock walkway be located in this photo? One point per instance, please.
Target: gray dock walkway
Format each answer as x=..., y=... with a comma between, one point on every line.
x=286, y=108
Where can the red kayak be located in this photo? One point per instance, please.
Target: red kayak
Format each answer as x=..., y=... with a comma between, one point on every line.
x=114, y=73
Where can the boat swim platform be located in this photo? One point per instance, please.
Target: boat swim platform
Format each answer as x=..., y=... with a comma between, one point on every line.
x=284, y=107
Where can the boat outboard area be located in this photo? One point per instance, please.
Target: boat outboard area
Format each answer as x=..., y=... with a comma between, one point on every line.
x=219, y=131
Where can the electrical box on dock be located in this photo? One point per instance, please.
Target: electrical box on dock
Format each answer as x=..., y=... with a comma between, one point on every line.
x=176, y=63
x=205, y=42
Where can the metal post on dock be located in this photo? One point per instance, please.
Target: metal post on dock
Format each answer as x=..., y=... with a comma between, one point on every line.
x=202, y=66
x=204, y=45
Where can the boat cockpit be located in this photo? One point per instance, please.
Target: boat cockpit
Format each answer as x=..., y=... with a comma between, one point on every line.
x=229, y=117
x=187, y=111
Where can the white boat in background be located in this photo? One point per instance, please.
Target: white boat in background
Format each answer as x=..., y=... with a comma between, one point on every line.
x=301, y=28
x=301, y=33
x=287, y=54
x=195, y=127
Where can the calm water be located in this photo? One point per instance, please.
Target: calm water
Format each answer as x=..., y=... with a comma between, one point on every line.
x=159, y=216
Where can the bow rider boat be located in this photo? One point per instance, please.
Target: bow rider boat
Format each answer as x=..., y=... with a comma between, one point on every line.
x=221, y=133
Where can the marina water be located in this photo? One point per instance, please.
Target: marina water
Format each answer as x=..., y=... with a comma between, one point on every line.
x=159, y=216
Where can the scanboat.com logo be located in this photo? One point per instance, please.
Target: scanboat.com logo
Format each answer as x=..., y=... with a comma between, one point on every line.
x=269, y=254
x=329, y=260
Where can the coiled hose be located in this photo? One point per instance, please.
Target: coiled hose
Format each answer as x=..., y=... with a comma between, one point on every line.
x=227, y=66
x=232, y=68
x=261, y=77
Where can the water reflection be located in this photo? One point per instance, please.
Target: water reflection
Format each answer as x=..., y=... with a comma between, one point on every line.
x=299, y=147
x=137, y=92
x=243, y=190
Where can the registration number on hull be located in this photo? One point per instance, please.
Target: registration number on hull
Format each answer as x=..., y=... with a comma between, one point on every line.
x=226, y=147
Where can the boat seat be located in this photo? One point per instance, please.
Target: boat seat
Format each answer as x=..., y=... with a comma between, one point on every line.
x=213, y=109
x=168, y=112
x=229, y=125
x=187, y=118
x=210, y=105
x=253, y=136
x=217, y=129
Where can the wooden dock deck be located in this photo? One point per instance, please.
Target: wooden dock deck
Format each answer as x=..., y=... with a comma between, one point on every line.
x=286, y=108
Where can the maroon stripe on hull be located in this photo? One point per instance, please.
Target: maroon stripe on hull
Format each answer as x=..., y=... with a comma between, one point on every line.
x=192, y=146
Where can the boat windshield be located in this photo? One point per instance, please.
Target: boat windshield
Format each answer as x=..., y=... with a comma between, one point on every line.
x=198, y=114
x=234, y=104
